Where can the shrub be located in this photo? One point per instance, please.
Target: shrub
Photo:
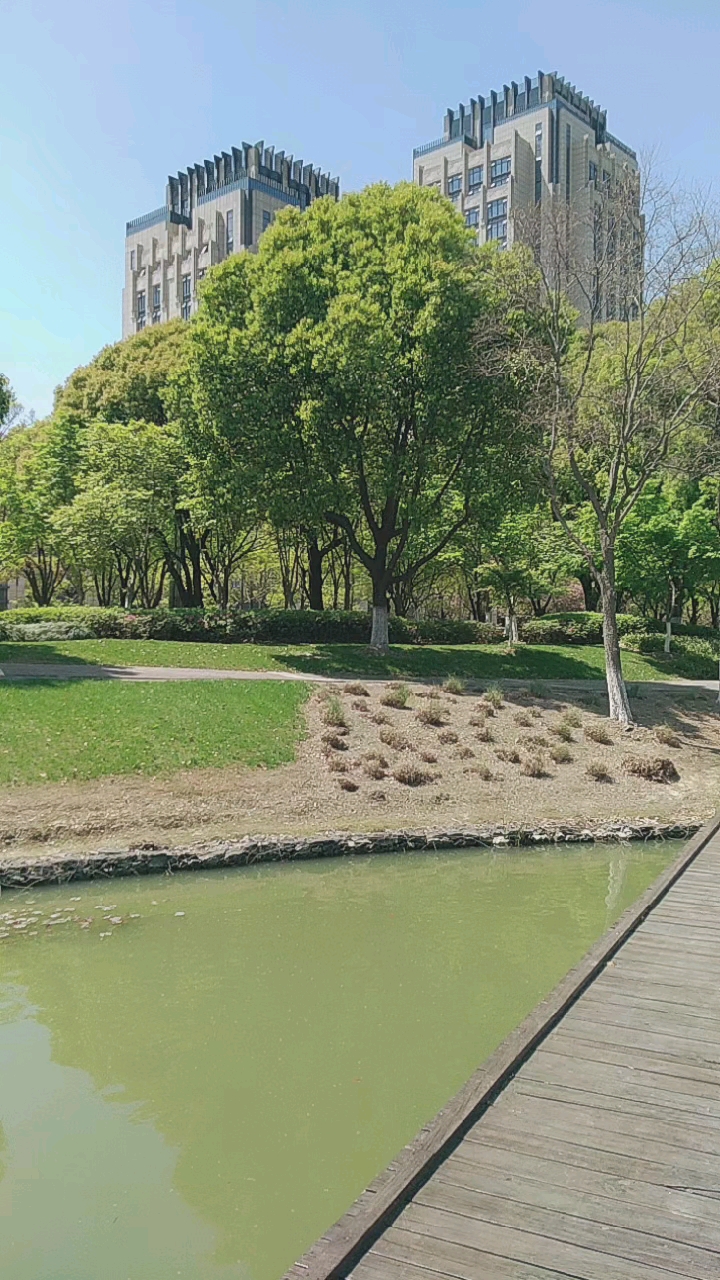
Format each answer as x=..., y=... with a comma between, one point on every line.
x=358, y=705
x=597, y=733
x=656, y=769
x=561, y=754
x=666, y=736
x=374, y=769
x=347, y=784
x=481, y=771
x=508, y=754
x=597, y=770
x=358, y=690
x=411, y=775
x=480, y=717
x=46, y=631
x=522, y=719
x=333, y=742
x=533, y=766
x=573, y=628
x=572, y=717
x=447, y=736
x=494, y=697
x=333, y=712
x=428, y=757
x=454, y=684
x=483, y=734
x=396, y=695
x=562, y=731
x=393, y=739
x=336, y=765
x=429, y=693
x=538, y=740
x=464, y=753
x=378, y=756
x=380, y=718
x=432, y=716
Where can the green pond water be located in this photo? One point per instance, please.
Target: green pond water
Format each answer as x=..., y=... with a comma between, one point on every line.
x=202, y=1089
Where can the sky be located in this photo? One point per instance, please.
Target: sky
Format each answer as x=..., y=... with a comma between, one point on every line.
x=100, y=101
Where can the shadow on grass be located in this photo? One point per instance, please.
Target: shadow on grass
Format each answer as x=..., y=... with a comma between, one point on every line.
x=436, y=662
x=39, y=652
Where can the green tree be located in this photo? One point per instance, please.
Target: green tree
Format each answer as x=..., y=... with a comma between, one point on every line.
x=335, y=368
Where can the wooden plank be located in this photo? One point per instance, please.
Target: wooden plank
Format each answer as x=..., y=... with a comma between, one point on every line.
x=648, y=1108
x=706, y=1052
x=449, y=1259
x=665, y=1065
x=653, y=1144
x=682, y=1212
x=678, y=1023
x=526, y=1246
x=599, y=1078
x=569, y=1224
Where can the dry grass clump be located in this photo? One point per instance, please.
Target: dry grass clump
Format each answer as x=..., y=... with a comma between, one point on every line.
x=380, y=718
x=523, y=719
x=480, y=771
x=598, y=771
x=454, y=684
x=377, y=795
x=494, y=697
x=397, y=696
x=335, y=765
x=667, y=736
x=374, y=769
x=536, y=715
x=572, y=717
x=411, y=775
x=357, y=690
x=535, y=740
x=393, y=739
x=653, y=769
x=597, y=733
x=463, y=753
x=431, y=716
x=561, y=753
x=347, y=784
x=334, y=742
x=562, y=731
x=360, y=706
x=429, y=693
x=376, y=755
x=447, y=736
x=508, y=754
x=478, y=720
x=333, y=712
x=483, y=734
x=534, y=766
x=429, y=757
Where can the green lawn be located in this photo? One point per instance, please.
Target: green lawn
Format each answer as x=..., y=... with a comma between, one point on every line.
x=90, y=729
x=530, y=662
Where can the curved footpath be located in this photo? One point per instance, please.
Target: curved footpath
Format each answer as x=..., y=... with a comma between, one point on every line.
x=12, y=671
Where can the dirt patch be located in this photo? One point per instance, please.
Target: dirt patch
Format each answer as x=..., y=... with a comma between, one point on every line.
x=311, y=795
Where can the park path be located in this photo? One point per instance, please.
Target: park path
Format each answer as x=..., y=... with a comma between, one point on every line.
x=11, y=671
x=588, y=1146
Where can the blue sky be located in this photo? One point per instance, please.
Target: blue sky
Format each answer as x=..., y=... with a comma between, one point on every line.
x=100, y=101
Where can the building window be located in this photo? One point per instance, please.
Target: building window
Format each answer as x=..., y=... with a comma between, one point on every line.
x=538, y=141
x=568, y=156
x=133, y=260
x=229, y=230
x=267, y=219
x=455, y=186
x=186, y=298
x=499, y=172
x=472, y=218
x=475, y=178
x=140, y=311
x=156, y=304
x=497, y=221
x=592, y=171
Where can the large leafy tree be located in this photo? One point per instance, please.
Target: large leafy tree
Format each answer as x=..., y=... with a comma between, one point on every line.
x=336, y=368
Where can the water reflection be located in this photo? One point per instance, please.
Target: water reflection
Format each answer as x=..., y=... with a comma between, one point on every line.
x=203, y=1094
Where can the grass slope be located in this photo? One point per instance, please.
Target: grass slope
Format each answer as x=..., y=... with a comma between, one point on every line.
x=529, y=662
x=52, y=731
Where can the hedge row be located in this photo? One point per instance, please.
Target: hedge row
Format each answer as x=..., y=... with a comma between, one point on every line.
x=272, y=626
x=586, y=628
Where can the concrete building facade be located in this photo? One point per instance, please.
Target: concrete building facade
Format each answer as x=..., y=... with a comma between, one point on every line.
x=509, y=161
x=211, y=211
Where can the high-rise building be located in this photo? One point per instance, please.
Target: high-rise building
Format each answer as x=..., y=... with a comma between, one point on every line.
x=211, y=211
x=513, y=161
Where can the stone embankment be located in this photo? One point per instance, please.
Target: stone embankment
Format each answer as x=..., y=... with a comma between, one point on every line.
x=149, y=859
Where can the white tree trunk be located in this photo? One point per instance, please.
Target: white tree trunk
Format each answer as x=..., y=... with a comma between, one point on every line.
x=668, y=635
x=380, y=635
x=619, y=703
x=513, y=628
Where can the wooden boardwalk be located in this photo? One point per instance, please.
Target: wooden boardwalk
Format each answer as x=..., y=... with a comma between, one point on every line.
x=589, y=1145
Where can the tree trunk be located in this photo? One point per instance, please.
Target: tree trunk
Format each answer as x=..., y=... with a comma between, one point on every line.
x=380, y=635
x=618, y=701
x=591, y=591
x=315, y=575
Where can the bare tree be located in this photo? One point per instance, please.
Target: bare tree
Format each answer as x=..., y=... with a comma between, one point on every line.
x=620, y=394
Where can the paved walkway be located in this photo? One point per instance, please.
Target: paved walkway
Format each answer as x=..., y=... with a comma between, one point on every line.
x=589, y=1146
x=87, y=671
